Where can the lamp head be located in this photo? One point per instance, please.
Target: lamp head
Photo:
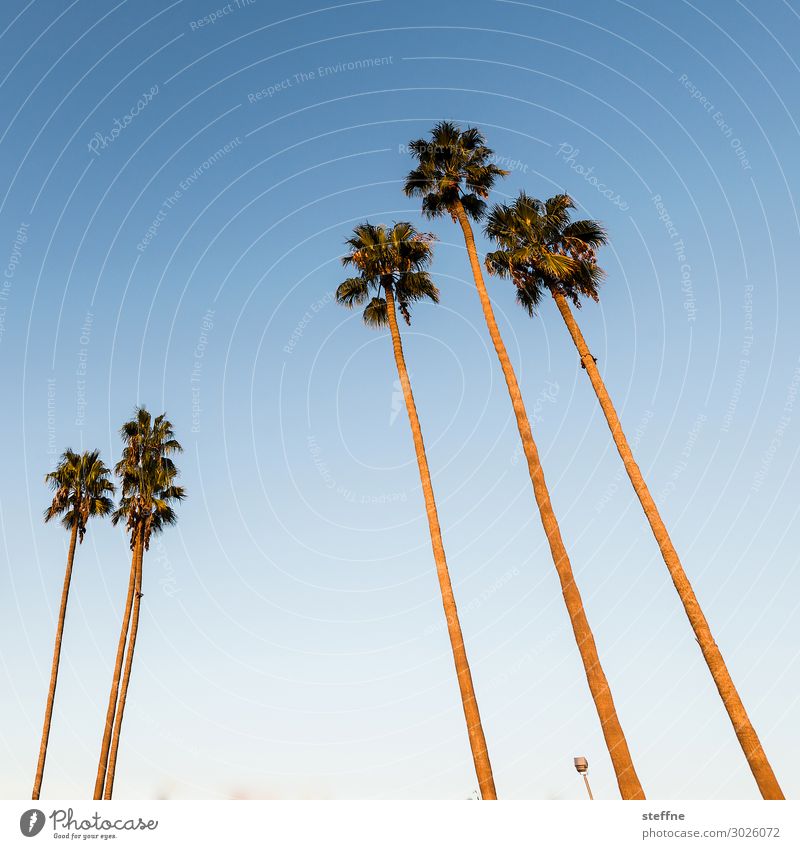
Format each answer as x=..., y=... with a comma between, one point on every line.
x=582, y=765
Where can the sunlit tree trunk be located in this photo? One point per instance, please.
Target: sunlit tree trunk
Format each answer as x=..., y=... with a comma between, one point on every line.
x=51, y=693
x=126, y=675
x=748, y=739
x=480, y=754
x=628, y=781
x=112, y=699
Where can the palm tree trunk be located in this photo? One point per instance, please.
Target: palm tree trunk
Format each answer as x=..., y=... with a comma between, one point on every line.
x=126, y=676
x=628, y=781
x=112, y=698
x=477, y=741
x=51, y=693
x=748, y=739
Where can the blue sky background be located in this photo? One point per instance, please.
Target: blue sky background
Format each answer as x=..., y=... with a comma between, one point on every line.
x=292, y=640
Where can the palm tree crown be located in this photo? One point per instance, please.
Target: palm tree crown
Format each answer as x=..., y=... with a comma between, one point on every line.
x=394, y=258
x=454, y=165
x=148, y=475
x=543, y=249
x=82, y=489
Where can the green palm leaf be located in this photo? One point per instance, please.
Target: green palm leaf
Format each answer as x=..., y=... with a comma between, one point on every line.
x=395, y=258
x=542, y=249
x=148, y=475
x=82, y=489
x=452, y=165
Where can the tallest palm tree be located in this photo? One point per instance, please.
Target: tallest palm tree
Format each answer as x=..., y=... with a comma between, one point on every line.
x=543, y=250
x=454, y=175
x=149, y=490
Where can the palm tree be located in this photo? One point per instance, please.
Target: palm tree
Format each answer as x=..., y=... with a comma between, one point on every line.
x=392, y=266
x=454, y=175
x=81, y=490
x=112, y=699
x=148, y=475
x=543, y=250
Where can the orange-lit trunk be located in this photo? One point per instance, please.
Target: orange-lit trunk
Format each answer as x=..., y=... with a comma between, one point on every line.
x=477, y=741
x=102, y=766
x=126, y=675
x=51, y=693
x=627, y=779
x=748, y=739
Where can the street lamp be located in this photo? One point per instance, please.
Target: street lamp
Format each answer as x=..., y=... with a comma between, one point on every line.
x=582, y=765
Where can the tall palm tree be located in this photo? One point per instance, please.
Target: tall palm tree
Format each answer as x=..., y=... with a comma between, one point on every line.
x=147, y=475
x=114, y=694
x=392, y=265
x=543, y=250
x=454, y=175
x=82, y=489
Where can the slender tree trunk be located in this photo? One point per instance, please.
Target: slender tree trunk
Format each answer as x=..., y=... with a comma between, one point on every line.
x=112, y=698
x=126, y=676
x=748, y=739
x=51, y=693
x=477, y=741
x=628, y=781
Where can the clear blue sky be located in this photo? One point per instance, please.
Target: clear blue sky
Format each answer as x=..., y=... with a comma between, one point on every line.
x=292, y=640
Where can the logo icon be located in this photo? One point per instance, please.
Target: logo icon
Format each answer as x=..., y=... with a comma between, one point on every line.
x=31, y=822
x=398, y=400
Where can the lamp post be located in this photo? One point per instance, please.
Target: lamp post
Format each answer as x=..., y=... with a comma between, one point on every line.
x=582, y=765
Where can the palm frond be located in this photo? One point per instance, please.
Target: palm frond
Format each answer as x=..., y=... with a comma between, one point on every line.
x=585, y=230
x=453, y=166
x=352, y=292
x=474, y=206
x=541, y=248
x=528, y=298
x=392, y=259
x=81, y=489
x=416, y=286
x=147, y=475
x=376, y=313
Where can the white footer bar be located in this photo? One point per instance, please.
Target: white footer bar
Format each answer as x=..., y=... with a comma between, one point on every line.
x=401, y=825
